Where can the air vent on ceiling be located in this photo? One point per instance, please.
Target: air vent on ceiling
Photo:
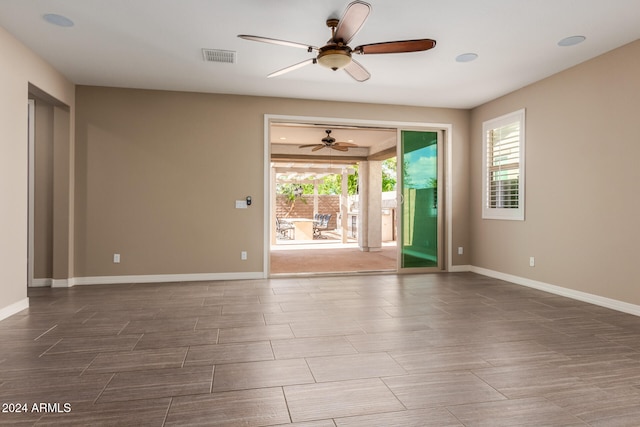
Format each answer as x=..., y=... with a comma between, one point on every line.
x=217, y=55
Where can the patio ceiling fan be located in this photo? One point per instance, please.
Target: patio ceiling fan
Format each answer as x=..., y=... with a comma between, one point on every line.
x=330, y=142
x=336, y=54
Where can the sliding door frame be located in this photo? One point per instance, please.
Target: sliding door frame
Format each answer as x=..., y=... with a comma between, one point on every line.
x=442, y=222
x=445, y=132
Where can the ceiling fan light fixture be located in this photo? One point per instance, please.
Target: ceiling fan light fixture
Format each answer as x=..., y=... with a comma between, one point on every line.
x=334, y=58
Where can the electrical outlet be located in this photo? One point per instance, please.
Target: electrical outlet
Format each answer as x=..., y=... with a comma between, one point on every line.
x=243, y=255
x=460, y=250
x=116, y=258
x=532, y=262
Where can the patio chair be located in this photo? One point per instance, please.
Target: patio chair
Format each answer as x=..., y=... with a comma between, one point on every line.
x=320, y=225
x=284, y=229
x=317, y=220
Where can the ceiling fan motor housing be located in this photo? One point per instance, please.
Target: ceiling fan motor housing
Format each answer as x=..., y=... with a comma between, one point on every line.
x=334, y=56
x=328, y=140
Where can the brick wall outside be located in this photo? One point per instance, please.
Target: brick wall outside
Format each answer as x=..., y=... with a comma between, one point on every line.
x=327, y=204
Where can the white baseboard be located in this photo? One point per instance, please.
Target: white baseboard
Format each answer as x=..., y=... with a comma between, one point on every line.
x=459, y=268
x=558, y=290
x=14, y=308
x=51, y=283
x=163, y=278
x=62, y=283
x=41, y=283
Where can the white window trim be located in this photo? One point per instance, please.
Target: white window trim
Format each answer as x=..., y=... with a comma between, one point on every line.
x=504, y=213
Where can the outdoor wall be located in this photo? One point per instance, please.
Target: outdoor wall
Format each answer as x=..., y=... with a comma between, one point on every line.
x=19, y=68
x=158, y=173
x=582, y=175
x=303, y=207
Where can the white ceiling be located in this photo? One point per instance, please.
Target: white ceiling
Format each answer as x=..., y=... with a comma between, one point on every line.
x=156, y=44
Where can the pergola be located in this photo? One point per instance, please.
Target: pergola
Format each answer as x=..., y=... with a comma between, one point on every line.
x=314, y=173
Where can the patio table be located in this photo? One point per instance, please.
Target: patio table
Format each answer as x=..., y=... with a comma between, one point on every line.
x=303, y=228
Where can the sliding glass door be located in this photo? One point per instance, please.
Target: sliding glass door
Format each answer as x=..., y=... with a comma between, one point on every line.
x=419, y=195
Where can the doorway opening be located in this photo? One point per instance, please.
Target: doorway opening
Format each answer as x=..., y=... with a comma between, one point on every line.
x=358, y=187
x=319, y=172
x=50, y=200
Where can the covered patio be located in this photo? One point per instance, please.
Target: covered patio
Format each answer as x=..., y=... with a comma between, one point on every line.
x=331, y=256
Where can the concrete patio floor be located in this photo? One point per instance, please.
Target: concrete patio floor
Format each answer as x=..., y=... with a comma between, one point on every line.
x=330, y=256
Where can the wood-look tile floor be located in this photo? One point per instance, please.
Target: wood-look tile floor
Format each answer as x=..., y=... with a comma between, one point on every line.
x=380, y=350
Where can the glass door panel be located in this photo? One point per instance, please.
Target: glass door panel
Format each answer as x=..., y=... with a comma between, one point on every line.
x=419, y=235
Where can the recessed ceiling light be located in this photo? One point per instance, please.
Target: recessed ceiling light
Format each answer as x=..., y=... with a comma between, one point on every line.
x=466, y=57
x=283, y=138
x=571, y=41
x=59, y=20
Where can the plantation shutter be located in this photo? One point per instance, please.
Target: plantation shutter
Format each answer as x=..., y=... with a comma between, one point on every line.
x=503, y=171
x=503, y=165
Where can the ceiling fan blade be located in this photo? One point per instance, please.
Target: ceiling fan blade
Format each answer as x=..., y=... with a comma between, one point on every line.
x=339, y=148
x=396, y=47
x=308, y=47
x=293, y=67
x=308, y=145
x=357, y=71
x=318, y=147
x=345, y=144
x=354, y=17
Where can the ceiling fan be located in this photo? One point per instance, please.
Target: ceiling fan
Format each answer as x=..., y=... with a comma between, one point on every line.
x=337, y=54
x=330, y=142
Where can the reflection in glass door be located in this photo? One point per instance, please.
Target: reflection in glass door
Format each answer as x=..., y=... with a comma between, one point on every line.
x=420, y=229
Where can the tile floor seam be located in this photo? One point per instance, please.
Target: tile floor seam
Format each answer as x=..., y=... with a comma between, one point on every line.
x=393, y=393
x=89, y=318
x=45, y=332
x=88, y=365
x=166, y=414
x=184, y=359
x=286, y=402
x=45, y=352
x=104, y=388
x=123, y=328
x=315, y=380
x=273, y=353
x=213, y=374
x=138, y=341
x=446, y=408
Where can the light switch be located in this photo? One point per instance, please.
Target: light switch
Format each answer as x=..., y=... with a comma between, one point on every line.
x=241, y=204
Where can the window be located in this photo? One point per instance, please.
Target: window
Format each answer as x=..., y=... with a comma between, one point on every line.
x=503, y=167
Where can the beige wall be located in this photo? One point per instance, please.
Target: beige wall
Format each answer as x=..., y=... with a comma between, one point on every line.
x=43, y=206
x=582, y=175
x=157, y=174
x=19, y=68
